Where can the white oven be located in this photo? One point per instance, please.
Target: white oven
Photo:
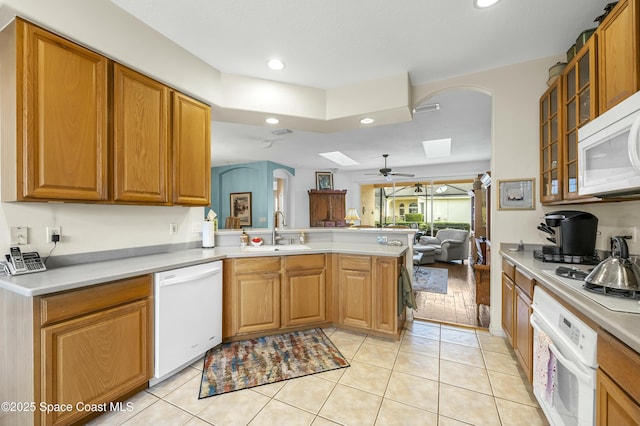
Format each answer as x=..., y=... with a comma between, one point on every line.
x=609, y=152
x=564, y=363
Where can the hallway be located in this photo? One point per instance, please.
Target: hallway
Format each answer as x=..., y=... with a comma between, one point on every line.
x=458, y=305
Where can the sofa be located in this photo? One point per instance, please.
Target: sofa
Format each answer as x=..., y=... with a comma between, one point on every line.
x=447, y=246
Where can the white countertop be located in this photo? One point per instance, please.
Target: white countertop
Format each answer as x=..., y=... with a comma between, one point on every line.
x=625, y=326
x=72, y=277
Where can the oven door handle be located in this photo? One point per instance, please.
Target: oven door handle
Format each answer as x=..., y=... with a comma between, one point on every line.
x=582, y=373
x=575, y=368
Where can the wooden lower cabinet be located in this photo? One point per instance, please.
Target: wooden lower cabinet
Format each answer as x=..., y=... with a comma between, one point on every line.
x=508, y=294
x=613, y=405
x=517, y=295
x=304, y=290
x=264, y=295
x=385, y=294
x=367, y=294
x=617, y=383
x=355, y=298
x=251, y=289
x=523, y=332
x=95, y=346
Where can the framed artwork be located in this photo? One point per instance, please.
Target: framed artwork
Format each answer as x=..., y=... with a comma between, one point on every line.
x=240, y=203
x=516, y=194
x=324, y=180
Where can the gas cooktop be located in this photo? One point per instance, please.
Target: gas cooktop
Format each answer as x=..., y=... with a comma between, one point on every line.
x=618, y=304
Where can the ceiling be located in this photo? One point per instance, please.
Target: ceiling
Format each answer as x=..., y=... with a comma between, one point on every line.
x=334, y=43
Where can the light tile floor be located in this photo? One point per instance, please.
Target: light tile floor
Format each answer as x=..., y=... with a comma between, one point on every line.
x=435, y=375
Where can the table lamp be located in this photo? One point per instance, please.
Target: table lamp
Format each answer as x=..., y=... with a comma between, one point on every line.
x=352, y=215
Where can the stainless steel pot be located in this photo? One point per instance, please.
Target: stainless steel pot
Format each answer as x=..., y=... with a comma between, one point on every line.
x=617, y=271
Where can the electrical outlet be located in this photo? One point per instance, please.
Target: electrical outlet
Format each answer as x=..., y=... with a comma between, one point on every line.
x=53, y=230
x=19, y=235
x=173, y=228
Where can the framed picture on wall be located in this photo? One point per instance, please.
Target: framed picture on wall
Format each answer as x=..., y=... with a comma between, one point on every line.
x=240, y=203
x=516, y=194
x=324, y=180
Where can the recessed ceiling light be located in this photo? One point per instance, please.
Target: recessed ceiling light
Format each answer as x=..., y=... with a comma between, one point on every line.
x=339, y=158
x=367, y=120
x=482, y=4
x=272, y=120
x=275, y=64
x=437, y=148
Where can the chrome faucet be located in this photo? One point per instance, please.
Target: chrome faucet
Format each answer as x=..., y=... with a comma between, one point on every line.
x=275, y=238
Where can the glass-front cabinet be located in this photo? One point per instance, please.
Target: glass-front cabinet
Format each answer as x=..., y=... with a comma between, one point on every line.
x=580, y=105
x=550, y=149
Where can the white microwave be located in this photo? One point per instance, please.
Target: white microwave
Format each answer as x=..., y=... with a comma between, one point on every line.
x=609, y=152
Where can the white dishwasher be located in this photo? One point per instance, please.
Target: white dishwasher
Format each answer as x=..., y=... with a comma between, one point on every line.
x=188, y=316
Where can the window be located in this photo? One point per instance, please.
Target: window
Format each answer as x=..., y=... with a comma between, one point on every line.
x=389, y=203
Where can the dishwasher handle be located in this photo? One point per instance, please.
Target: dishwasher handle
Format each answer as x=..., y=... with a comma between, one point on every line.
x=184, y=278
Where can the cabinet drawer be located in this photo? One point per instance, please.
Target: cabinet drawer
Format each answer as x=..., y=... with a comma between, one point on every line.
x=305, y=261
x=620, y=362
x=525, y=282
x=257, y=264
x=74, y=303
x=508, y=268
x=355, y=263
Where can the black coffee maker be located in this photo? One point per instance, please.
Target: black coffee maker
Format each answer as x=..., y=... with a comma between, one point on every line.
x=574, y=234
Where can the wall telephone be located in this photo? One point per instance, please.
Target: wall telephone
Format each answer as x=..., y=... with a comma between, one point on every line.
x=23, y=263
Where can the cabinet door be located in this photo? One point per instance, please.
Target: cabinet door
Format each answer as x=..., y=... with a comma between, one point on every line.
x=62, y=127
x=141, y=138
x=614, y=407
x=385, y=297
x=191, y=151
x=619, y=73
x=304, y=299
x=523, y=332
x=507, y=307
x=551, y=144
x=95, y=359
x=355, y=298
x=579, y=107
x=258, y=303
x=337, y=207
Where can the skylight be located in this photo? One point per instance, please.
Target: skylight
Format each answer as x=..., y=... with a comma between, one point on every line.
x=339, y=158
x=437, y=148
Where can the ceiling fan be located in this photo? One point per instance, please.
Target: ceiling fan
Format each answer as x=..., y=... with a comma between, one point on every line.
x=387, y=172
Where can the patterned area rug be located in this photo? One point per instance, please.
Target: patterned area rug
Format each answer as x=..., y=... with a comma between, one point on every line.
x=431, y=279
x=254, y=362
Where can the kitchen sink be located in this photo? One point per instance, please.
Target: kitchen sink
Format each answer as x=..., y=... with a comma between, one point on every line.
x=262, y=249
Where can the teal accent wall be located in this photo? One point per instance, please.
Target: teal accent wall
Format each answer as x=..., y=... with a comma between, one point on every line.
x=256, y=178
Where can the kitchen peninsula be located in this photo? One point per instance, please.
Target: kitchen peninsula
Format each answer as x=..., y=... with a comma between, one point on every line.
x=345, y=279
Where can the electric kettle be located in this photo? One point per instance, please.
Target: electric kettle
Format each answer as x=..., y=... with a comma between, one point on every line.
x=617, y=271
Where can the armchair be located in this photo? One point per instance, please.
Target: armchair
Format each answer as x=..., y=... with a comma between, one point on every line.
x=449, y=244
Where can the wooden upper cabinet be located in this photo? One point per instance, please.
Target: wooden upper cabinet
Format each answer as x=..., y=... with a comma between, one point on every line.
x=141, y=137
x=619, y=60
x=191, y=151
x=551, y=144
x=62, y=118
x=580, y=105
